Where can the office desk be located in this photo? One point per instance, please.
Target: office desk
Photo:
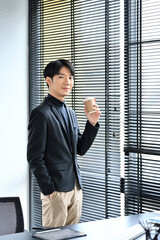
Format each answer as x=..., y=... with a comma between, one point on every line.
x=96, y=230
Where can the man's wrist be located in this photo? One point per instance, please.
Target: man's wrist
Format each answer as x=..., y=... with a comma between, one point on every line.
x=92, y=123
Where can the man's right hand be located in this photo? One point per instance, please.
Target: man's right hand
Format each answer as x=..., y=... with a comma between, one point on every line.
x=51, y=195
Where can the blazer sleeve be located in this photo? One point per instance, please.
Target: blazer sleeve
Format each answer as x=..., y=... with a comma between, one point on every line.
x=36, y=151
x=86, y=139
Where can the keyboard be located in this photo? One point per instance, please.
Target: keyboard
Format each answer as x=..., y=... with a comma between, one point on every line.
x=131, y=233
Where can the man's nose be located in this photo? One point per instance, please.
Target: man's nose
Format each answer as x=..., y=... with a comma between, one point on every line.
x=67, y=80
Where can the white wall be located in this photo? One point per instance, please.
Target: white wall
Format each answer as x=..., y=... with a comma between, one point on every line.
x=14, y=100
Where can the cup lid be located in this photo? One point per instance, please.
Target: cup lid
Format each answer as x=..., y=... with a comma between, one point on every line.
x=88, y=98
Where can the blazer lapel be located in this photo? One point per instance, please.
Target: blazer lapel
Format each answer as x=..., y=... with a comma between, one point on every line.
x=59, y=118
x=57, y=115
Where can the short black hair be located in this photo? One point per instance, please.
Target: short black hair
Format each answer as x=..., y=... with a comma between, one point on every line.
x=54, y=67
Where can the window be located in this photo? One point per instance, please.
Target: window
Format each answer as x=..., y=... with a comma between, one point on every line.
x=88, y=34
x=142, y=106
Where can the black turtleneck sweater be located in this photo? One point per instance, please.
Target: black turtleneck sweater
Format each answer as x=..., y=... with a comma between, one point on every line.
x=61, y=108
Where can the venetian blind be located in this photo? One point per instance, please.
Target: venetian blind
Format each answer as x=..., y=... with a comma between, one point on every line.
x=87, y=34
x=142, y=106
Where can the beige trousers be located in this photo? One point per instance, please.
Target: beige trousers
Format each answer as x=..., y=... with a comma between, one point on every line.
x=64, y=208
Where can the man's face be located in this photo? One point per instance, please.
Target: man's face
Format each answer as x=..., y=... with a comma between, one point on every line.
x=61, y=85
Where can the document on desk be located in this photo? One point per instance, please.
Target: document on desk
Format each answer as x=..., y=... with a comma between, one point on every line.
x=58, y=234
x=131, y=233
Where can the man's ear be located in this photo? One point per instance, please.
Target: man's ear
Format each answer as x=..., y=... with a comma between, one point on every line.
x=48, y=80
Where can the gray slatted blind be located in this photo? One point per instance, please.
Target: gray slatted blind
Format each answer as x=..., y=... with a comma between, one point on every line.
x=35, y=96
x=113, y=108
x=142, y=106
x=87, y=34
x=89, y=37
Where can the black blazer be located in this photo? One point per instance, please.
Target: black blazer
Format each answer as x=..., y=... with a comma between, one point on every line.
x=52, y=157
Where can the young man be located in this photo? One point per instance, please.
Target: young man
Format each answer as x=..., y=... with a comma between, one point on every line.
x=53, y=144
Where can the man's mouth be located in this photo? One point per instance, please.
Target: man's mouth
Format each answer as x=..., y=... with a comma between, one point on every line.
x=66, y=88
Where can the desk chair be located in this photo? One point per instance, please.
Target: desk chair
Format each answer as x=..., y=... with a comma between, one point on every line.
x=11, y=215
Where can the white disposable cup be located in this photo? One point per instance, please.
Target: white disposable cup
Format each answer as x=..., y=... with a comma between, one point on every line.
x=89, y=102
